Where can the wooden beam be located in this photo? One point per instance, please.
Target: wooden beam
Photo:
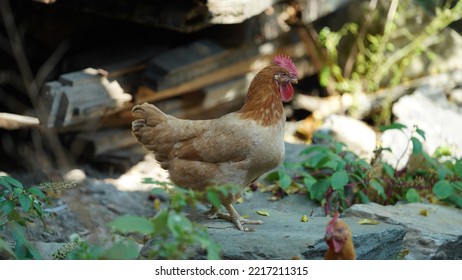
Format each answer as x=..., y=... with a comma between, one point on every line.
x=243, y=67
x=13, y=121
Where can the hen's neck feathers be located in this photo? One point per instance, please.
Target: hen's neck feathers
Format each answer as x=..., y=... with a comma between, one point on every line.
x=263, y=102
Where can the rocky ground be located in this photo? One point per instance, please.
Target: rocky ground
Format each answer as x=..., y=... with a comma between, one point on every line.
x=401, y=232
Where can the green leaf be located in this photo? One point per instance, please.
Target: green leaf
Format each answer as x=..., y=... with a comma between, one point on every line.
x=457, y=185
x=364, y=198
x=317, y=190
x=315, y=160
x=315, y=148
x=389, y=170
x=160, y=222
x=443, y=189
x=412, y=195
x=416, y=146
x=456, y=199
x=420, y=132
x=339, y=179
x=378, y=187
x=5, y=183
x=36, y=191
x=308, y=180
x=458, y=168
x=213, y=198
x=25, y=201
x=273, y=176
x=13, y=182
x=129, y=223
x=148, y=181
x=284, y=180
x=122, y=250
x=7, y=207
x=398, y=126
x=178, y=224
x=443, y=172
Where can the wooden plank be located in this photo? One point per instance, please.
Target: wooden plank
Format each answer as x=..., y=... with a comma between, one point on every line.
x=101, y=142
x=243, y=67
x=81, y=96
x=237, y=11
x=186, y=63
x=13, y=121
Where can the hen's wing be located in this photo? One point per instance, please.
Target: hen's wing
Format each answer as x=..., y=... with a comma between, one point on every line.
x=211, y=141
x=225, y=140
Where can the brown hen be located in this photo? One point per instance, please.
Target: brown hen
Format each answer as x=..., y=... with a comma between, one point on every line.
x=339, y=240
x=234, y=149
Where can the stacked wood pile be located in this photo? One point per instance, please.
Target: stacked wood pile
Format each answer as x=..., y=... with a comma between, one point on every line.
x=202, y=77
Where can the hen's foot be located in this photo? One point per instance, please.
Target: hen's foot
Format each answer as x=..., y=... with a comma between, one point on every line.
x=233, y=216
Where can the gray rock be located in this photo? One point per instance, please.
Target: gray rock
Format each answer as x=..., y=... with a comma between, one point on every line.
x=283, y=235
x=357, y=135
x=456, y=96
x=75, y=175
x=435, y=236
x=429, y=109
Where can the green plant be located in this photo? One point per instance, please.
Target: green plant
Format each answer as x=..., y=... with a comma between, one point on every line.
x=19, y=206
x=380, y=57
x=121, y=249
x=338, y=178
x=170, y=231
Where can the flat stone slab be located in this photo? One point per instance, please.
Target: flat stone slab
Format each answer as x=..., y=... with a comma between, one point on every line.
x=284, y=236
x=438, y=235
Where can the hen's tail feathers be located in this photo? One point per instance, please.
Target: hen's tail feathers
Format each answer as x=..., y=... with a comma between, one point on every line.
x=149, y=115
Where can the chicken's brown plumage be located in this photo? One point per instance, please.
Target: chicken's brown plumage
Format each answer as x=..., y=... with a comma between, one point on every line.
x=339, y=240
x=234, y=149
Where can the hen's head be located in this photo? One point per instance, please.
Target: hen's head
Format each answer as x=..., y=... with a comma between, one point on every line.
x=337, y=233
x=285, y=76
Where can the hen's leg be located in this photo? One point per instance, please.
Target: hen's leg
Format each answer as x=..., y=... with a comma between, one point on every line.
x=237, y=219
x=213, y=213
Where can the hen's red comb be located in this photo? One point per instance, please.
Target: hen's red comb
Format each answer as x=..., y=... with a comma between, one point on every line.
x=285, y=62
x=332, y=222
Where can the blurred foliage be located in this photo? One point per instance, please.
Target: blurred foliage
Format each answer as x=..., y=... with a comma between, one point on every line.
x=337, y=178
x=171, y=234
x=18, y=207
x=382, y=51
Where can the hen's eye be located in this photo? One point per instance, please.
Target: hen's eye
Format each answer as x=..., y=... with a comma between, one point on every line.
x=283, y=74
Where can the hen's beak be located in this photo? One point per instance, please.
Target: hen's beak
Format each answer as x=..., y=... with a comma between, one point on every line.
x=293, y=80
